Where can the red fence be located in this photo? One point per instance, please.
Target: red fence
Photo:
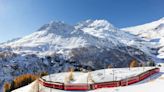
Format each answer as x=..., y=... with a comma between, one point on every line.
x=85, y=87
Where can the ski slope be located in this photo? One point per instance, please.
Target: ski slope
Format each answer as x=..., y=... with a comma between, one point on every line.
x=151, y=84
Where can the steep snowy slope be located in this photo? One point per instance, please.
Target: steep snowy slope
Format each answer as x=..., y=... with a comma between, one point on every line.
x=57, y=36
x=149, y=30
x=103, y=29
x=54, y=36
x=153, y=32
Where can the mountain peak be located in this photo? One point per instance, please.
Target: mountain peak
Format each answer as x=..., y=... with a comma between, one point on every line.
x=56, y=26
x=97, y=24
x=54, y=23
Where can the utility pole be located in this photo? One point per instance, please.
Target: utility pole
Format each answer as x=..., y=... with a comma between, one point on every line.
x=143, y=65
x=88, y=78
x=126, y=80
x=50, y=80
x=104, y=70
x=38, y=84
x=113, y=74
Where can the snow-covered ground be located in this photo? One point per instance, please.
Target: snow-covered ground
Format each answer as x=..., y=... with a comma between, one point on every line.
x=153, y=32
x=151, y=84
x=103, y=75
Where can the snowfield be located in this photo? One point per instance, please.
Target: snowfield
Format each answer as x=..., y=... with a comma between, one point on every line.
x=151, y=84
x=153, y=32
x=103, y=75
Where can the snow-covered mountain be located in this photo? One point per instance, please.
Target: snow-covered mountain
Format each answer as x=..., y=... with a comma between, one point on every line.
x=153, y=32
x=56, y=46
x=59, y=37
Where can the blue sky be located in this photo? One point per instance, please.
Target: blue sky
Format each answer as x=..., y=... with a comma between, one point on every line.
x=22, y=17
